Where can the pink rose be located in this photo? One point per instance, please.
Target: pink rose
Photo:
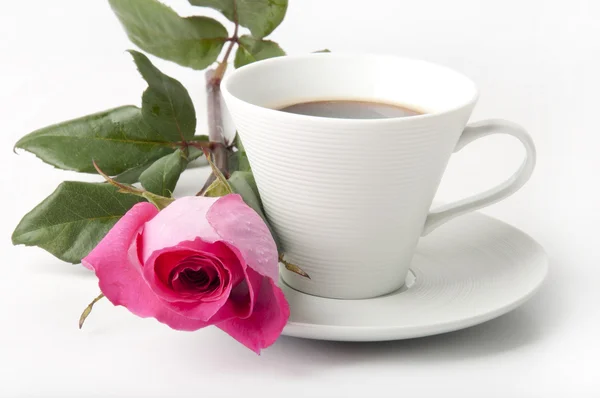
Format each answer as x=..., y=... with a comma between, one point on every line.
x=200, y=261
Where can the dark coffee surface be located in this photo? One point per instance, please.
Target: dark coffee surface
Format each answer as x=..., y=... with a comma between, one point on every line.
x=343, y=109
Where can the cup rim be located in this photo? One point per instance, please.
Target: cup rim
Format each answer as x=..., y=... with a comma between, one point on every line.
x=239, y=73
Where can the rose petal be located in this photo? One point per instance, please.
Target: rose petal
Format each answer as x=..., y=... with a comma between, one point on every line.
x=182, y=220
x=237, y=224
x=117, y=266
x=159, y=266
x=185, y=278
x=241, y=297
x=229, y=219
x=269, y=315
x=198, y=309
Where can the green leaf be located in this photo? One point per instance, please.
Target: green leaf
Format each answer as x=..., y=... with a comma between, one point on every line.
x=238, y=160
x=73, y=219
x=218, y=175
x=237, y=142
x=201, y=138
x=162, y=176
x=117, y=139
x=233, y=161
x=166, y=104
x=194, y=42
x=217, y=189
x=157, y=200
x=220, y=186
x=133, y=174
x=243, y=183
x=252, y=50
x=122, y=140
x=325, y=50
x=260, y=16
x=194, y=153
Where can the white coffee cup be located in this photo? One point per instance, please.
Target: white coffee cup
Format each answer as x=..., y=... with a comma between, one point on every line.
x=350, y=198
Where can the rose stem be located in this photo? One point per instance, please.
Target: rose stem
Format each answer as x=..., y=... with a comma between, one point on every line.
x=215, y=114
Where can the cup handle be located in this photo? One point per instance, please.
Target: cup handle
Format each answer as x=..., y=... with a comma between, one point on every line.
x=472, y=132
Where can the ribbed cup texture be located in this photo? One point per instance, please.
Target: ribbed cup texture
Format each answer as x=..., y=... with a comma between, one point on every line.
x=348, y=199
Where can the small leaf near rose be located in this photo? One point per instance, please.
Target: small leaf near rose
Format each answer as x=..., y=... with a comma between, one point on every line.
x=162, y=176
x=195, y=42
x=260, y=16
x=157, y=200
x=132, y=175
x=238, y=160
x=73, y=219
x=252, y=50
x=216, y=189
x=222, y=180
x=243, y=183
x=194, y=153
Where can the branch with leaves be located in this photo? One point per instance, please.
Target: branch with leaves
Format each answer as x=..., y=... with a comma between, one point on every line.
x=157, y=29
x=153, y=144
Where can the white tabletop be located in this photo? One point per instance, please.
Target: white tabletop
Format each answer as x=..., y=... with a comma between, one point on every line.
x=536, y=63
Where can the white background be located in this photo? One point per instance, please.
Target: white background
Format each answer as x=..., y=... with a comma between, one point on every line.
x=537, y=62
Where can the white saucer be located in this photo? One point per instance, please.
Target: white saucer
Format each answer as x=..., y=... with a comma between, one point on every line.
x=471, y=270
